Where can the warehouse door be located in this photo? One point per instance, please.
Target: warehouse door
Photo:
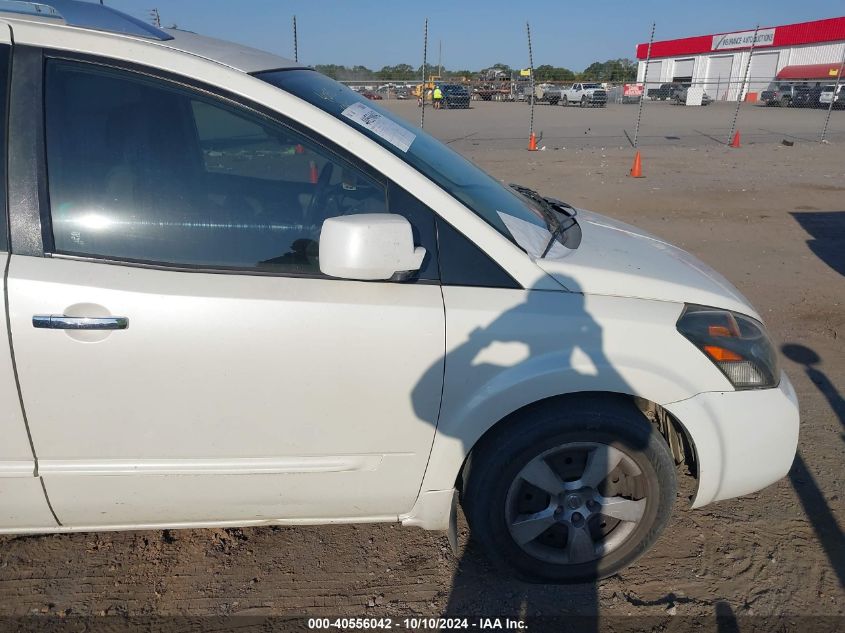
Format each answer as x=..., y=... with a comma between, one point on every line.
x=764, y=67
x=719, y=76
x=683, y=70
x=654, y=75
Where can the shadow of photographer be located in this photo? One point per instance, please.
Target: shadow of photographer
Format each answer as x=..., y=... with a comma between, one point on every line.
x=575, y=483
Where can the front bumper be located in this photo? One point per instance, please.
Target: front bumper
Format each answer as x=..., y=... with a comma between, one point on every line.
x=743, y=440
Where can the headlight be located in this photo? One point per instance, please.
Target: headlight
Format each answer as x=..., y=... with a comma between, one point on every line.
x=738, y=345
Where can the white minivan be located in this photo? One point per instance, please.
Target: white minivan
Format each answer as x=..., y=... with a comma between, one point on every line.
x=238, y=293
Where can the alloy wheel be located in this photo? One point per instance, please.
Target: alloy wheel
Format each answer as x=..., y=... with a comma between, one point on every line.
x=576, y=503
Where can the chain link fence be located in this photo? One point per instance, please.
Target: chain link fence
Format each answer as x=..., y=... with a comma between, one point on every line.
x=739, y=88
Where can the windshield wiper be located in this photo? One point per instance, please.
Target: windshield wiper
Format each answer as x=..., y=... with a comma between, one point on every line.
x=550, y=208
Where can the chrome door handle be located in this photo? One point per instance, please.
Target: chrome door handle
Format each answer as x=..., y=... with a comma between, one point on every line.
x=60, y=322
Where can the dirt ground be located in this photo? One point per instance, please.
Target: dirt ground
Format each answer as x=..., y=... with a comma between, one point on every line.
x=769, y=217
x=505, y=125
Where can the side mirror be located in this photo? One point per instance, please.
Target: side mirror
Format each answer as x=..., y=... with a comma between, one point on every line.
x=369, y=247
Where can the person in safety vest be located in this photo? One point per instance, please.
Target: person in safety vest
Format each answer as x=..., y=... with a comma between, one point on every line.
x=438, y=97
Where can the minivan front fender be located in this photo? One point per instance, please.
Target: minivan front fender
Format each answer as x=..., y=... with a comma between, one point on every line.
x=509, y=349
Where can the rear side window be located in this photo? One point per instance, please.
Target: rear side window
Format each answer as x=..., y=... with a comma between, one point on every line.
x=5, y=56
x=142, y=169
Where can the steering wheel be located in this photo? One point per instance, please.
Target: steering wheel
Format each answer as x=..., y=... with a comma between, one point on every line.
x=321, y=191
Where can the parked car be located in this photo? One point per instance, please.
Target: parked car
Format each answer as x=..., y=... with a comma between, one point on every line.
x=664, y=92
x=372, y=96
x=455, y=96
x=779, y=93
x=806, y=96
x=679, y=96
x=582, y=94
x=826, y=96
x=254, y=297
x=546, y=92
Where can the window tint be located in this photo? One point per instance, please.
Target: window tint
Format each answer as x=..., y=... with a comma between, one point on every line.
x=5, y=54
x=143, y=169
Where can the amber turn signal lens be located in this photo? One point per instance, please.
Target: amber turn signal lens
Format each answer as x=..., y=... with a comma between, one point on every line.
x=719, y=330
x=721, y=354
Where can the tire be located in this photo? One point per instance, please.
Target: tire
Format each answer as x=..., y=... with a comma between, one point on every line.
x=496, y=491
x=784, y=102
x=553, y=100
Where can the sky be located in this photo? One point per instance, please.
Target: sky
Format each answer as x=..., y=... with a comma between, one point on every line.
x=472, y=34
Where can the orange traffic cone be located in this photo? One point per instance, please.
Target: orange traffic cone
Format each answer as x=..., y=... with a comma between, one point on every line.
x=735, y=141
x=313, y=175
x=637, y=168
x=532, y=142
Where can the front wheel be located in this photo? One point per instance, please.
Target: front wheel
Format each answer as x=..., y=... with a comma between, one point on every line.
x=571, y=491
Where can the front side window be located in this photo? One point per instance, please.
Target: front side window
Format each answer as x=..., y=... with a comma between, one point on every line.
x=142, y=169
x=471, y=186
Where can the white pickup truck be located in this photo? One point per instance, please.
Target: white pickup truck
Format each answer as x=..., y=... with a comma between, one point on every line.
x=584, y=94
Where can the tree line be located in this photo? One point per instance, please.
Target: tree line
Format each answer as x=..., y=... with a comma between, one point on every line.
x=614, y=70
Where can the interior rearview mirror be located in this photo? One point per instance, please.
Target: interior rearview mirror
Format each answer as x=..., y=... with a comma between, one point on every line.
x=369, y=247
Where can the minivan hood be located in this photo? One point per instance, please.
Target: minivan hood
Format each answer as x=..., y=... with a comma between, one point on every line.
x=618, y=259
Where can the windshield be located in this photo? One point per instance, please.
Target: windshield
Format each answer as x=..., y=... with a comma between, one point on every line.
x=487, y=197
x=592, y=85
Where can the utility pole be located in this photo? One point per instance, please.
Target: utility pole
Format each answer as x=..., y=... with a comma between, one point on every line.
x=439, y=58
x=154, y=17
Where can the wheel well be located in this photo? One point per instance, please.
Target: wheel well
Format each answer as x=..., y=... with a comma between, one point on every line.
x=670, y=428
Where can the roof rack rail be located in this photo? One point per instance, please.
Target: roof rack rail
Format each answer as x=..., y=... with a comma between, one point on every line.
x=87, y=15
x=29, y=8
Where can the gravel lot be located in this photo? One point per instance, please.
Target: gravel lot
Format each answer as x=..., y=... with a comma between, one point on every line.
x=769, y=217
x=490, y=125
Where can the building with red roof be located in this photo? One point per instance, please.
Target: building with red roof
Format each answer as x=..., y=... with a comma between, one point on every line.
x=727, y=67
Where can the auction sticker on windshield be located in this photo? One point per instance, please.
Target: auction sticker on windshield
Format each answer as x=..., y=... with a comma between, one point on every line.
x=380, y=125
